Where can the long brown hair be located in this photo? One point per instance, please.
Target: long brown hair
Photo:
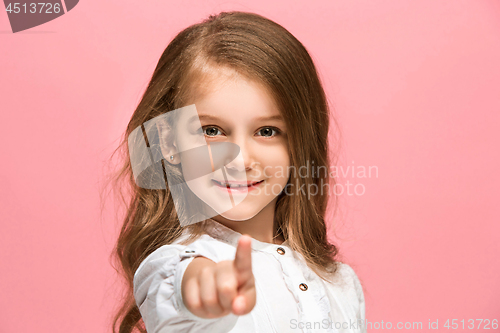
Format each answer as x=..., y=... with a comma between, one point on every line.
x=262, y=50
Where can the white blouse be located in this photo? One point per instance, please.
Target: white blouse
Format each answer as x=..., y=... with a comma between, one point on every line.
x=290, y=296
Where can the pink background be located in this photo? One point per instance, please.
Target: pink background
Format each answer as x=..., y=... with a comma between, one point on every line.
x=416, y=86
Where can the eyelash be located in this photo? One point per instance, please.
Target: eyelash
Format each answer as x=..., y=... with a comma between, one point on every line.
x=277, y=130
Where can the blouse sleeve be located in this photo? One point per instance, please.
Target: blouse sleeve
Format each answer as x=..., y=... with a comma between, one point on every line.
x=360, y=297
x=157, y=291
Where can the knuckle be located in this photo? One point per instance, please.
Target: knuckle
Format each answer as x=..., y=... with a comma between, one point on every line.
x=210, y=301
x=205, y=271
x=227, y=287
x=195, y=305
x=224, y=263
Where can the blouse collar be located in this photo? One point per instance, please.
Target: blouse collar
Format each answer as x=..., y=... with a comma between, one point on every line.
x=225, y=234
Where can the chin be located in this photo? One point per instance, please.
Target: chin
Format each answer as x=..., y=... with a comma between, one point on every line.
x=240, y=213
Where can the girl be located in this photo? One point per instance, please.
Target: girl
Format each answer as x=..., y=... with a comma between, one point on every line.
x=264, y=265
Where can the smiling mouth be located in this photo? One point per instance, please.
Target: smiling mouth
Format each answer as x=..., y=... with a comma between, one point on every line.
x=236, y=185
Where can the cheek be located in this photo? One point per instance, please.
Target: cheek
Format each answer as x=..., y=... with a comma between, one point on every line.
x=277, y=165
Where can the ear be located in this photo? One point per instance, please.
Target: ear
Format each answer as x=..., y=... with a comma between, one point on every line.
x=167, y=142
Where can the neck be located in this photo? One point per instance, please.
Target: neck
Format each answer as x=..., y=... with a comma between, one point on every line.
x=259, y=227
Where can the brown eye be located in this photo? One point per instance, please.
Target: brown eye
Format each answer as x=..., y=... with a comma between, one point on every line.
x=211, y=131
x=268, y=132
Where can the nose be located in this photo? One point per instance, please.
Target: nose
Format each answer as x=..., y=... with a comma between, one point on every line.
x=245, y=159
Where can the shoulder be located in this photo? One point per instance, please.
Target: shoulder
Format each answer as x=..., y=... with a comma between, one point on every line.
x=345, y=270
x=351, y=286
x=348, y=276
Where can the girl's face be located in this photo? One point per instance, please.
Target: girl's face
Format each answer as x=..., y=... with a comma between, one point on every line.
x=239, y=111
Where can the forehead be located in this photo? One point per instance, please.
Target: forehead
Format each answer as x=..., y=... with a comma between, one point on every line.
x=224, y=90
x=216, y=85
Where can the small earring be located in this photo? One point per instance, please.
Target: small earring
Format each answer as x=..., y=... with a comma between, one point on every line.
x=171, y=157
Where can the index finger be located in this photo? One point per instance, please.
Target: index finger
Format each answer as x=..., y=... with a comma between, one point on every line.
x=243, y=259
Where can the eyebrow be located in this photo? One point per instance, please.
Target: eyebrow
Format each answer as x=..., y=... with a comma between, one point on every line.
x=213, y=118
